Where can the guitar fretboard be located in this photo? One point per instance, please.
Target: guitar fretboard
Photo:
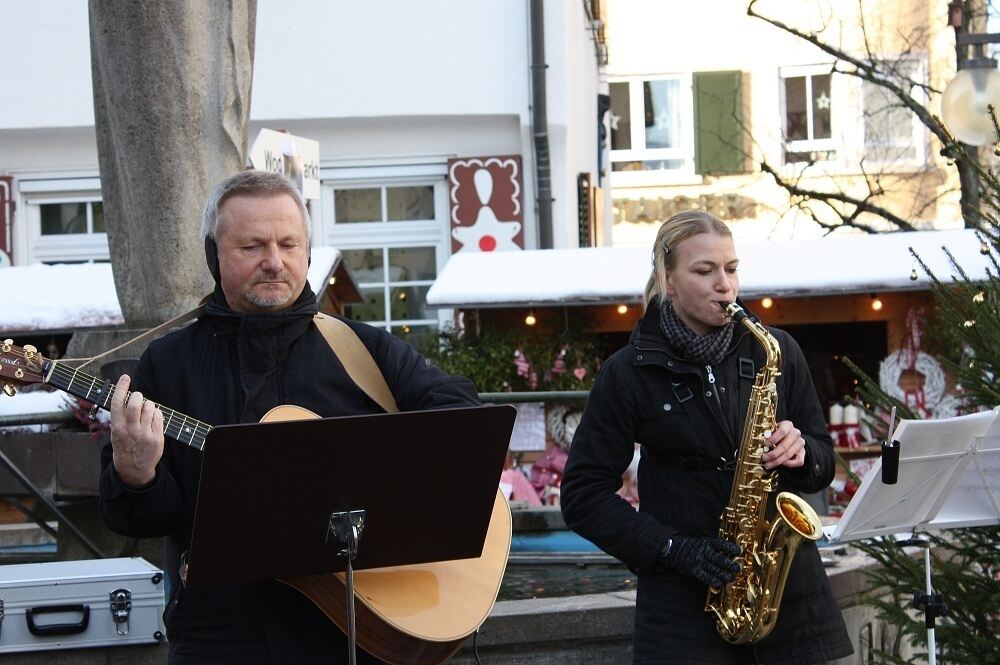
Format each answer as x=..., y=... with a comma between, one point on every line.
x=176, y=425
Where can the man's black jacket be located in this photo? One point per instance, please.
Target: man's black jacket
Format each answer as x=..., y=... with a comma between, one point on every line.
x=232, y=368
x=688, y=419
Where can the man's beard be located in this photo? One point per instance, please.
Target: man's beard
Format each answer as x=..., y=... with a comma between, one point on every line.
x=269, y=302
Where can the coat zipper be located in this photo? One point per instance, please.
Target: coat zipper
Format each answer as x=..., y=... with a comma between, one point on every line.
x=721, y=413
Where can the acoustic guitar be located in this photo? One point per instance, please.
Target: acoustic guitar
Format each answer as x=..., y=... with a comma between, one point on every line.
x=404, y=615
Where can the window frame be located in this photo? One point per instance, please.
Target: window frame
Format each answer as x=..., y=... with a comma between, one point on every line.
x=386, y=235
x=919, y=133
x=811, y=144
x=60, y=248
x=684, y=152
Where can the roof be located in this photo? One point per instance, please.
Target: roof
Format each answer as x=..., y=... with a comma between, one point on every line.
x=860, y=263
x=68, y=297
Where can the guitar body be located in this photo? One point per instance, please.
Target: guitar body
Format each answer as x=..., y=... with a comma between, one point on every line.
x=419, y=614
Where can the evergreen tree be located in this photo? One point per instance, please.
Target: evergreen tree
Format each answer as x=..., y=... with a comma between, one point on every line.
x=965, y=562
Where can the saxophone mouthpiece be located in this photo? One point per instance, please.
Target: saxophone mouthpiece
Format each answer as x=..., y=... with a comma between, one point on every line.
x=734, y=311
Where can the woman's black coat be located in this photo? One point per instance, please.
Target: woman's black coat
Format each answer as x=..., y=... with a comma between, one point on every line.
x=688, y=420
x=231, y=368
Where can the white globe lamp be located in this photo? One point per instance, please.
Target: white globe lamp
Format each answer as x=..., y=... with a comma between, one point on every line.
x=965, y=102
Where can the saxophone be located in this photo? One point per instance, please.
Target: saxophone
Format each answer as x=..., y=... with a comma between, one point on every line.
x=746, y=609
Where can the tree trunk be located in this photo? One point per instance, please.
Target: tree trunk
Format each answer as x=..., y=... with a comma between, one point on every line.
x=171, y=106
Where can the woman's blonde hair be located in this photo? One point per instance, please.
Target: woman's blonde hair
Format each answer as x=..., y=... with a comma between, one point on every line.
x=672, y=233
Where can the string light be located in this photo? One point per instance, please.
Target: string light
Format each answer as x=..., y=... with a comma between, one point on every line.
x=984, y=249
x=979, y=297
x=969, y=323
x=876, y=303
x=622, y=309
x=530, y=319
x=913, y=274
x=766, y=303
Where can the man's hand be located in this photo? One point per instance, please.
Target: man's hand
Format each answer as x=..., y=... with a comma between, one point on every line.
x=709, y=560
x=136, y=435
x=787, y=447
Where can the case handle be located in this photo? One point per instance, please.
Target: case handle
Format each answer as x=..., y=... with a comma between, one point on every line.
x=57, y=628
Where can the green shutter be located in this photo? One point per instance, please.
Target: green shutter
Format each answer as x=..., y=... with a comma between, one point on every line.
x=721, y=134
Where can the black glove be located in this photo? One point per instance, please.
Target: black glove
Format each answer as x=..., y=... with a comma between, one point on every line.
x=709, y=560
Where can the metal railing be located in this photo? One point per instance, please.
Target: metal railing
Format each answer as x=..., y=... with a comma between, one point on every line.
x=535, y=396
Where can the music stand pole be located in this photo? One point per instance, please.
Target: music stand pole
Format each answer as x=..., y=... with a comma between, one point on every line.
x=344, y=529
x=930, y=603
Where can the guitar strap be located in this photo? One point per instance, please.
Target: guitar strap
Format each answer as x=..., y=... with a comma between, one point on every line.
x=345, y=344
x=356, y=359
x=149, y=334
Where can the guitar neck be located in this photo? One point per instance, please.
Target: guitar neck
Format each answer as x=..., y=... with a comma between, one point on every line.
x=176, y=425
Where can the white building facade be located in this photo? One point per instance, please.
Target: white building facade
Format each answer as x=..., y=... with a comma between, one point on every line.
x=408, y=101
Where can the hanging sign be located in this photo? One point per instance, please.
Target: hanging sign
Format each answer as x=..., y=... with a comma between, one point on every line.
x=294, y=156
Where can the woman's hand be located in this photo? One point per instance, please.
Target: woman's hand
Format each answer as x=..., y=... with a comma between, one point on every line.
x=787, y=447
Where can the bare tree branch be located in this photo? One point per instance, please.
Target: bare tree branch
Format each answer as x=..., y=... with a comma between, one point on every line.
x=858, y=206
x=890, y=77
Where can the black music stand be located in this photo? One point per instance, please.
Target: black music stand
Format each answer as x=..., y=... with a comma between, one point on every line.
x=271, y=494
x=949, y=478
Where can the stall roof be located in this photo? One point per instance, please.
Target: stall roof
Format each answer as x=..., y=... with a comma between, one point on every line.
x=68, y=297
x=860, y=263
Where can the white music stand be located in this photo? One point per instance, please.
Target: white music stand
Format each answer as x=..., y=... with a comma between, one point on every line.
x=949, y=477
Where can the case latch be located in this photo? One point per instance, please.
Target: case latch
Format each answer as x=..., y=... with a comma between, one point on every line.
x=121, y=607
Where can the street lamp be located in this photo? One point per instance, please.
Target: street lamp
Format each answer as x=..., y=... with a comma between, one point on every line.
x=967, y=98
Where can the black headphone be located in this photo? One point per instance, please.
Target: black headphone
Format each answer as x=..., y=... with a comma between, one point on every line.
x=212, y=257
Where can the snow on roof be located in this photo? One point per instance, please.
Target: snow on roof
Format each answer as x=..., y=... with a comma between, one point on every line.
x=37, y=401
x=58, y=297
x=80, y=296
x=324, y=260
x=860, y=263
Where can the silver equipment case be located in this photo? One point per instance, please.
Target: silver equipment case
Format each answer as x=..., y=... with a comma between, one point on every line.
x=74, y=604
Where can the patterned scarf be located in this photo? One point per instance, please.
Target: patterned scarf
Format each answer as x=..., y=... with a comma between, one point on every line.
x=707, y=349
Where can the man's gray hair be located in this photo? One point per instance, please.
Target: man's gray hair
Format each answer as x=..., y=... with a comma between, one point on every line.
x=249, y=183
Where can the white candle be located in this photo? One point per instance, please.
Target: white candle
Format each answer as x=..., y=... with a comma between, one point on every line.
x=836, y=415
x=851, y=415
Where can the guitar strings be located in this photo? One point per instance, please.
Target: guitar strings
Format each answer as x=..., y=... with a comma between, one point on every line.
x=186, y=425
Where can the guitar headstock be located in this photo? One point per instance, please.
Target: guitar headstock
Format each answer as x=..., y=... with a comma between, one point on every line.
x=19, y=366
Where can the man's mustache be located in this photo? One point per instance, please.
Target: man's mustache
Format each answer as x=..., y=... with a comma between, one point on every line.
x=260, y=277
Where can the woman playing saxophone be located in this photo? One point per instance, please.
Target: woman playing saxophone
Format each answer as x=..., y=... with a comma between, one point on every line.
x=681, y=388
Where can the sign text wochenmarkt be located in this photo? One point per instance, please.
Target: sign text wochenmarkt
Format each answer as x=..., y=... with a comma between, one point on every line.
x=296, y=157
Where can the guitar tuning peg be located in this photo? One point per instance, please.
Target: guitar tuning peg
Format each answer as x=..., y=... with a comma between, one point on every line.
x=30, y=352
x=8, y=344
x=9, y=389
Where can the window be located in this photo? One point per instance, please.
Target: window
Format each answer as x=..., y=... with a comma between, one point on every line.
x=892, y=133
x=652, y=125
x=394, y=282
x=808, y=112
x=64, y=220
x=72, y=218
x=383, y=204
x=394, y=237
